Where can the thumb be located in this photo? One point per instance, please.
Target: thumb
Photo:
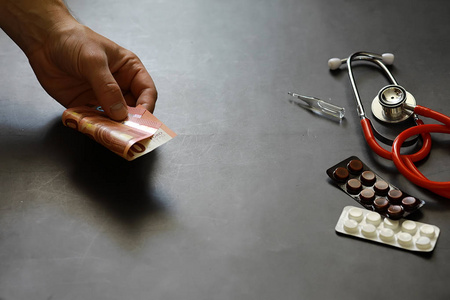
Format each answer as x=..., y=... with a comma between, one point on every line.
x=108, y=92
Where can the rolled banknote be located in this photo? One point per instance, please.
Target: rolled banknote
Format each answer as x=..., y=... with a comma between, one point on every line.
x=139, y=134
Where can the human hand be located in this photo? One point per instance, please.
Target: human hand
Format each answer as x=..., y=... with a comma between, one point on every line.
x=77, y=66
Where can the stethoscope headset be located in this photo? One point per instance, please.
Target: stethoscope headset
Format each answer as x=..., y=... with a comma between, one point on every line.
x=395, y=105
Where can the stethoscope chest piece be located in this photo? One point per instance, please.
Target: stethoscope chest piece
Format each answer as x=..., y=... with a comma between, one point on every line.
x=389, y=105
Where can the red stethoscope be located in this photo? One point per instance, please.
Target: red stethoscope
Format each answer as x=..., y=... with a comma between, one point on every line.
x=394, y=104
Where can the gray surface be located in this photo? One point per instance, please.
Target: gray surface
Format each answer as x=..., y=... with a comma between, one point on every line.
x=238, y=206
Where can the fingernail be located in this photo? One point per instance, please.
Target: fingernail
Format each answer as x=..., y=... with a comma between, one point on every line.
x=146, y=106
x=118, y=111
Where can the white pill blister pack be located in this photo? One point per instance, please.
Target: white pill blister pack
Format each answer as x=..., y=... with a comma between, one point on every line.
x=370, y=225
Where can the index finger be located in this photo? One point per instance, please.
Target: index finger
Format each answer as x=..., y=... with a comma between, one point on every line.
x=142, y=87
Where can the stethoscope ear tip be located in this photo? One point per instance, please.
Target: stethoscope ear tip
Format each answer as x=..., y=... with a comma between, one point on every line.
x=388, y=58
x=334, y=63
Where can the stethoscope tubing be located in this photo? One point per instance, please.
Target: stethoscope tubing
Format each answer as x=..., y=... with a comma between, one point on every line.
x=405, y=164
x=375, y=146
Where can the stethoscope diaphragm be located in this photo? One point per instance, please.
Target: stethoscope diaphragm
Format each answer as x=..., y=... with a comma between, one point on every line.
x=389, y=105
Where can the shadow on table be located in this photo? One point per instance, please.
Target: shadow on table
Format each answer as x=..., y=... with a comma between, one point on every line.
x=122, y=188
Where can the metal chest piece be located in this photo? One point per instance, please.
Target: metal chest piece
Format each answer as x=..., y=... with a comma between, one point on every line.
x=388, y=105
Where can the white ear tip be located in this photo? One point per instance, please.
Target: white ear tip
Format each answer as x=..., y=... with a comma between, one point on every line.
x=388, y=58
x=334, y=63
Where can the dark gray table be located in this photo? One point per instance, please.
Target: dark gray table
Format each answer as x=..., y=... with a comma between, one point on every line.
x=238, y=206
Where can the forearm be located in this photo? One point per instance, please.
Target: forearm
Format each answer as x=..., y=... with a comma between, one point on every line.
x=29, y=22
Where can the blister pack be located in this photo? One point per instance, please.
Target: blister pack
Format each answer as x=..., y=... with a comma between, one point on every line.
x=370, y=225
x=371, y=191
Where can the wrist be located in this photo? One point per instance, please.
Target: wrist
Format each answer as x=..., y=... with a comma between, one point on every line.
x=30, y=22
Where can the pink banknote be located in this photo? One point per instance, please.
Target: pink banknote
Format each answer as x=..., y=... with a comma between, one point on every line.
x=139, y=134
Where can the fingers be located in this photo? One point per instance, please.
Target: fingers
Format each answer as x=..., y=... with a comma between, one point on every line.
x=144, y=90
x=130, y=75
x=148, y=99
x=133, y=77
x=106, y=89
